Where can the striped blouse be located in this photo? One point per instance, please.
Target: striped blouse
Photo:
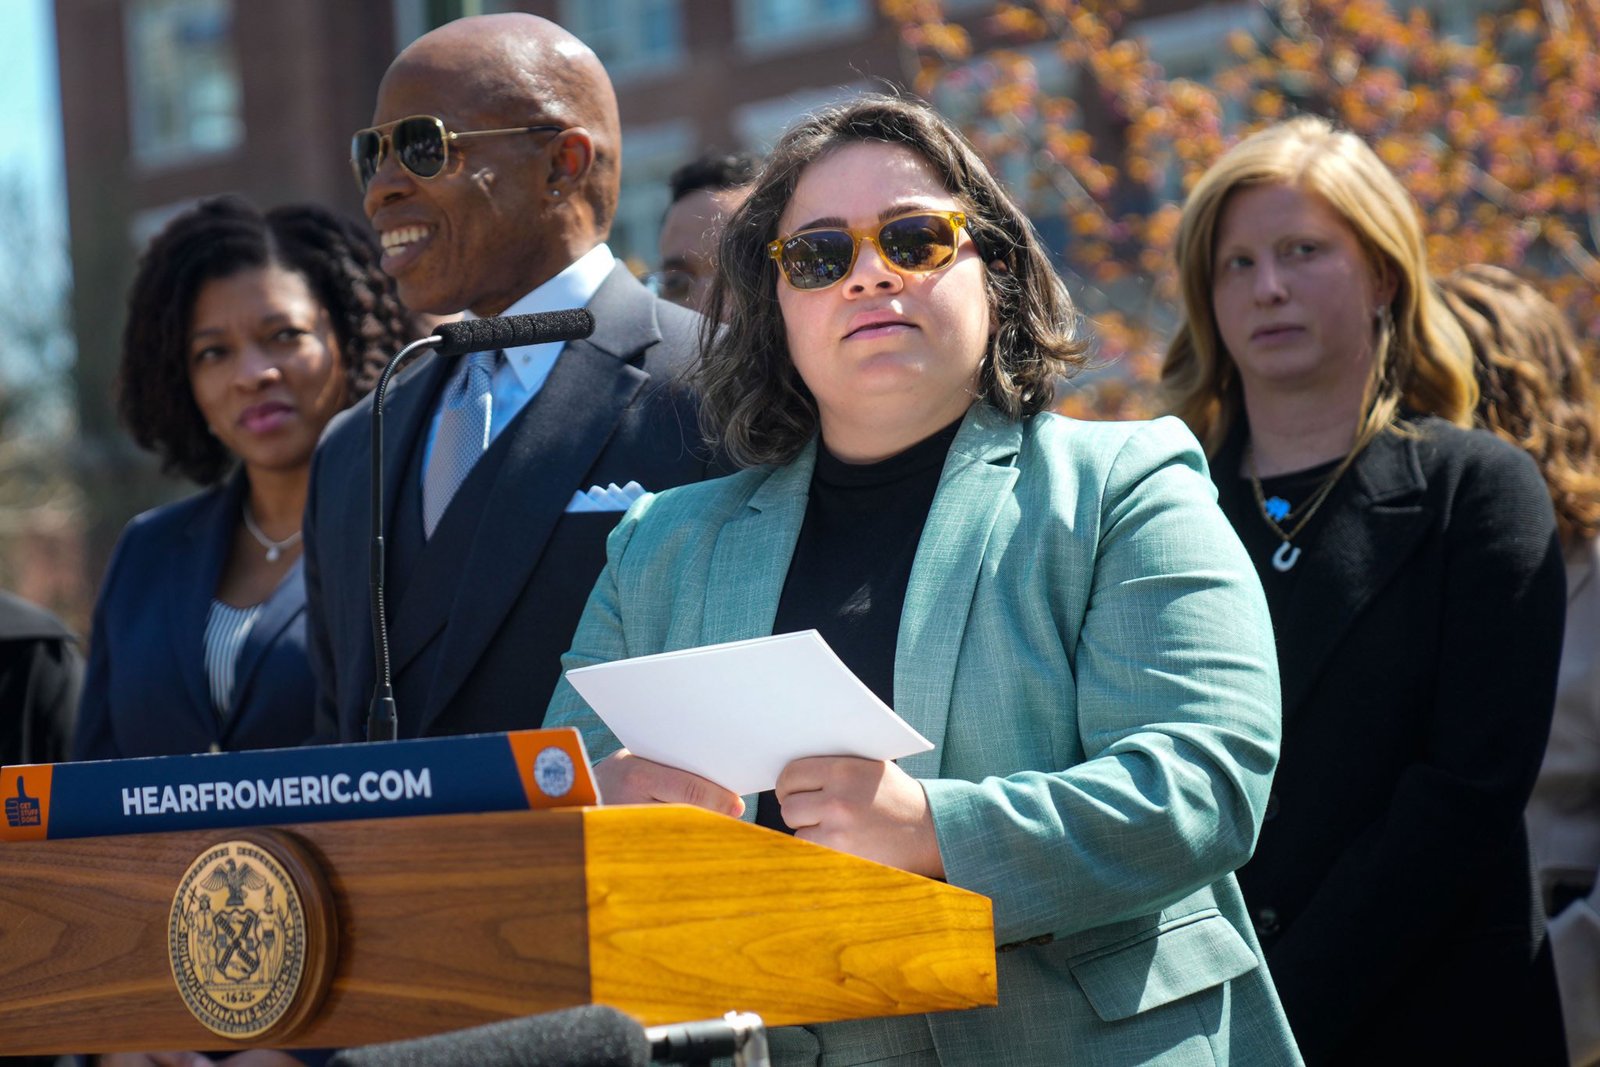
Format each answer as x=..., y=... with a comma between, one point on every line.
x=226, y=630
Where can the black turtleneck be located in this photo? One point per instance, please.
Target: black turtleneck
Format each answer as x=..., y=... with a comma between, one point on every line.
x=852, y=562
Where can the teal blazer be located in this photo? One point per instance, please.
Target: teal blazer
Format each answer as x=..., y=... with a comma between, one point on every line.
x=1088, y=647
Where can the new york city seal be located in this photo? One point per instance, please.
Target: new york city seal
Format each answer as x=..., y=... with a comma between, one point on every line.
x=244, y=949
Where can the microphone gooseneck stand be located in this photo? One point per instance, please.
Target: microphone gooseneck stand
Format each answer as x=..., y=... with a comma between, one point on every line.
x=451, y=339
x=382, y=721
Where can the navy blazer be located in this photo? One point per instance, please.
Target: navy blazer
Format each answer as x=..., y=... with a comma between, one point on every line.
x=478, y=623
x=146, y=692
x=41, y=674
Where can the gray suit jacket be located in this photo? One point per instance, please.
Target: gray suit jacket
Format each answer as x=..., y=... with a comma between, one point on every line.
x=1564, y=813
x=1087, y=646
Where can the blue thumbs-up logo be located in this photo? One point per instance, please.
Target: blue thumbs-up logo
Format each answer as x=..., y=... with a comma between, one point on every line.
x=22, y=810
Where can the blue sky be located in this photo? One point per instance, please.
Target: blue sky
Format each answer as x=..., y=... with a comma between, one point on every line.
x=30, y=151
x=30, y=124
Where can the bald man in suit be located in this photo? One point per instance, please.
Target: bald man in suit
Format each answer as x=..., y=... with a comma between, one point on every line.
x=485, y=588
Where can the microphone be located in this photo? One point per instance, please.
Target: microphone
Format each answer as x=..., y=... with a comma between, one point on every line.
x=450, y=339
x=513, y=331
x=590, y=1036
x=739, y=1034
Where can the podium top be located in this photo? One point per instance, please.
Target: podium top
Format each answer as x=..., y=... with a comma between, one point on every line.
x=428, y=776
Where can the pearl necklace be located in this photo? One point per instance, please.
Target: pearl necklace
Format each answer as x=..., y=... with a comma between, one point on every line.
x=274, y=549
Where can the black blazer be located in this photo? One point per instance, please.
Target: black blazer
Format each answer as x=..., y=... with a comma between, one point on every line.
x=1418, y=643
x=492, y=600
x=40, y=675
x=145, y=693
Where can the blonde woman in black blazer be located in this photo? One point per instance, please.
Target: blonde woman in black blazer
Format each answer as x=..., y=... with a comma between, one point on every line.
x=1417, y=593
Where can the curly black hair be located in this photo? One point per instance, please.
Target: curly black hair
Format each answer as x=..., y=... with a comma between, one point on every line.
x=216, y=239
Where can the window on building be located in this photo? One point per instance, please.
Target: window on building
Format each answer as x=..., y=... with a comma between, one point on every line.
x=649, y=156
x=413, y=18
x=765, y=24
x=183, y=80
x=145, y=224
x=631, y=37
x=759, y=124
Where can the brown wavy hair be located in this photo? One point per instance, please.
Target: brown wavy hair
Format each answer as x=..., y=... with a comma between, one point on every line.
x=220, y=237
x=1536, y=386
x=1420, y=357
x=755, y=406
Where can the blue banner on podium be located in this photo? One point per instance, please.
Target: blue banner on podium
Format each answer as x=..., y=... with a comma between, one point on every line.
x=427, y=776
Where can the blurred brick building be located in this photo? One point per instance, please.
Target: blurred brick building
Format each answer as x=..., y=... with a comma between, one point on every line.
x=167, y=101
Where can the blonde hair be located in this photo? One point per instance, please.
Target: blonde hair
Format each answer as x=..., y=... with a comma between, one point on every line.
x=1420, y=356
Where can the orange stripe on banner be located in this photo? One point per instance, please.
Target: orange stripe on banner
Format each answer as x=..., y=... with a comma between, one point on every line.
x=553, y=767
x=25, y=794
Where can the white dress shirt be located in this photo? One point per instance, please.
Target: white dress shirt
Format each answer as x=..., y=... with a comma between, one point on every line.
x=521, y=375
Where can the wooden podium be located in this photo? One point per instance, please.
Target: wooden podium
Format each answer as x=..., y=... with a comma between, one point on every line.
x=451, y=921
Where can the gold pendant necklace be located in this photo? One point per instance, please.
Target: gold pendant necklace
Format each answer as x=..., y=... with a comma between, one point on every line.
x=1276, y=513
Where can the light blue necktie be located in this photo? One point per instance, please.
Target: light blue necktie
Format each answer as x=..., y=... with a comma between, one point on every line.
x=463, y=435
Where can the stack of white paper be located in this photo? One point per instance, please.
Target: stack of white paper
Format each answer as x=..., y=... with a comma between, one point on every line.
x=738, y=713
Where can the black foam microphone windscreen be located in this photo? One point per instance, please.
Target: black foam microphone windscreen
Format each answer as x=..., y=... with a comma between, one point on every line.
x=513, y=331
x=590, y=1036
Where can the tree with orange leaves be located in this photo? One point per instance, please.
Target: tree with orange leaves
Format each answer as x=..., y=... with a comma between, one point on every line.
x=1494, y=127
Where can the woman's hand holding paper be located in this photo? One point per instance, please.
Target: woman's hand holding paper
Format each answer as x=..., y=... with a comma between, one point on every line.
x=869, y=808
x=624, y=778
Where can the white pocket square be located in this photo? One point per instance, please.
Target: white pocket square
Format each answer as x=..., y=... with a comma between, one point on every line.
x=609, y=498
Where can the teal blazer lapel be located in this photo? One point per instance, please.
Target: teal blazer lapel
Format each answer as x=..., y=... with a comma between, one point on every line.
x=753, y=552
x=752, y=555
x=977, y=478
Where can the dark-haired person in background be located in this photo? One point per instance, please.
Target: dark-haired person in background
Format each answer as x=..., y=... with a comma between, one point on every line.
x=491, y=175
x=40, y=674
x=246, y=333
x=705, y=194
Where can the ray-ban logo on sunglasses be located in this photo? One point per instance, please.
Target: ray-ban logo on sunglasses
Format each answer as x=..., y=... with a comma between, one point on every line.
x=421, y=144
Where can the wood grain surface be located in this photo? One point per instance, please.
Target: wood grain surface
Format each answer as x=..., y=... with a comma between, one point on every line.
x=444, y=922
x=692, y=915
x=451, y=921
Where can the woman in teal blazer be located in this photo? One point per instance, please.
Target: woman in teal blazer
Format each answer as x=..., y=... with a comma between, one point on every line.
x=1058, y=606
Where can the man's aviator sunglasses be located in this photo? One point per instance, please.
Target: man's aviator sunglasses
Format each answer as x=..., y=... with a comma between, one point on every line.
x=917, y=243
x=420, y=143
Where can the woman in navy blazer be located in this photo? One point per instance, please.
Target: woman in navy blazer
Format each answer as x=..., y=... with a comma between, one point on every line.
x=246, y=333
